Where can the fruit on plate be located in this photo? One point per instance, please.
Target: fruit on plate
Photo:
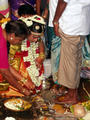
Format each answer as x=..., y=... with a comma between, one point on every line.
x=86, y=105
x=79, y=111
x=58, y=108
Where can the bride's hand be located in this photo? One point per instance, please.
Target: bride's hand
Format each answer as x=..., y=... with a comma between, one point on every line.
x=25, y=91
x=29, y=84
x=39, y=62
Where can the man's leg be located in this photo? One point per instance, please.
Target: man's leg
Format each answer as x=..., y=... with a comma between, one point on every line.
x=70, y=64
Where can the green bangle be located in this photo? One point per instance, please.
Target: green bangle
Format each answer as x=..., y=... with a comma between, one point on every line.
x=42, y=55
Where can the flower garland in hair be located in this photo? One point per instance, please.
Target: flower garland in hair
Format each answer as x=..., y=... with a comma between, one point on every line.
x=35, y=18
x=27, y=20
x=32, y=52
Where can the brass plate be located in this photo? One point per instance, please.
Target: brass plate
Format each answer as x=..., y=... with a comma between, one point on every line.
x=17, y=104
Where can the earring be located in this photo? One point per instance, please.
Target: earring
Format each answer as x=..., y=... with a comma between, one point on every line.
x=11, y=38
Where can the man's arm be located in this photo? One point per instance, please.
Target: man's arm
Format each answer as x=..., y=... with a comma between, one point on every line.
x=38, y=3
x=46, y=11
x=59, y=10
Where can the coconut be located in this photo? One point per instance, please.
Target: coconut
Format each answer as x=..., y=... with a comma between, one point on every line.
x=79, y=111
x=87, y=116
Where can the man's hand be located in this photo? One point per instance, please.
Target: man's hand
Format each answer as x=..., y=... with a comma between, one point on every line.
x=59, y=11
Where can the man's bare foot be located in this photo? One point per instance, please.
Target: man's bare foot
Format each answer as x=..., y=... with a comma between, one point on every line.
x=69, y=98
x=60, y=90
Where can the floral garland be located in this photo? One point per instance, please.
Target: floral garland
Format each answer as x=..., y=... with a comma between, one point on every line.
x=27, y=20
x=31, y=52
x=35, y=18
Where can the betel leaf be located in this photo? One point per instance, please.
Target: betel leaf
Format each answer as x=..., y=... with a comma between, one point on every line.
x=81, y=119
x=88, y=98
x=72, y=109
x=20, y=108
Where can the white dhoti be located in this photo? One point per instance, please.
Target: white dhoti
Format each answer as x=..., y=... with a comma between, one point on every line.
x=70, y=60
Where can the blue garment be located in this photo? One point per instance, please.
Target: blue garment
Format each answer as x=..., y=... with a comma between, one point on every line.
x=55, y=53
x=54, y=43
x=86, y=48
x=86, y=52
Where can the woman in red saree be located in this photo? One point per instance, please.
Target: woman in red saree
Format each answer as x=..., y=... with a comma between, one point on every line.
x=28, y=58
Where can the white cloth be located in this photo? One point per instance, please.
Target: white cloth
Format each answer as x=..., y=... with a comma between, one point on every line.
x=52, y=9
x=75, y=19
x=66, y=1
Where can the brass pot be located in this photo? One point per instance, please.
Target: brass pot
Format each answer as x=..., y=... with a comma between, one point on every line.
x=4, y=86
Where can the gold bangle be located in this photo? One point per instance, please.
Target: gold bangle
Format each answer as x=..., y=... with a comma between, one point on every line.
x=42, y=55
x=23, y=80
x=20, y=82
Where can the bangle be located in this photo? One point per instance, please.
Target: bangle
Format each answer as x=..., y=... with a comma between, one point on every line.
x=23, y=80
x=42, y=55
x=21, y=83
x=55, y=23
